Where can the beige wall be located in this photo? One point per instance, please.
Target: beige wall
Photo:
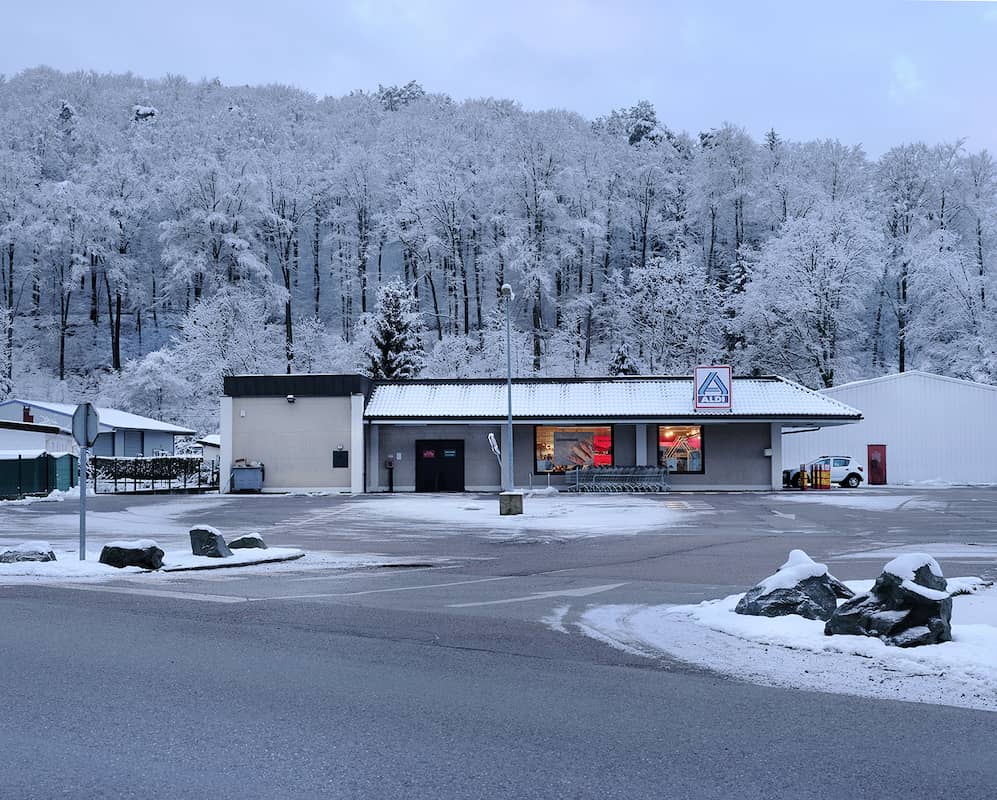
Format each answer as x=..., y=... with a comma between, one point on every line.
x=295, y=441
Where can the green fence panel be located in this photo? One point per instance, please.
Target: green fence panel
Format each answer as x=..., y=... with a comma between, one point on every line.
x=40, y=475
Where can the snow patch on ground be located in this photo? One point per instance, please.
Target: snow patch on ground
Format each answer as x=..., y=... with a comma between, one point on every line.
x=939, y=550
x=56, y=496
x=68, y=567
x=794, y=652
x=939, y=483
x=862, y=500
x=570, y=517
x=555, y=620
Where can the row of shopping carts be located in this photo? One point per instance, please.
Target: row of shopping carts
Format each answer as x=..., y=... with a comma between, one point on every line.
x=619, y=479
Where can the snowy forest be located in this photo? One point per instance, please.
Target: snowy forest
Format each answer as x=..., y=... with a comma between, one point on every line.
x=156, y=235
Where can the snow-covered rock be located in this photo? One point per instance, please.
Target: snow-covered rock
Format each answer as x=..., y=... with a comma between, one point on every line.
x=909, y=605
x=29, y=551
x=208, y=541
x=142, y=553
x=801, y=586
x=248, y=541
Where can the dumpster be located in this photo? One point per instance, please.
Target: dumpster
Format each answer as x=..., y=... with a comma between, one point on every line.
x=247, y=478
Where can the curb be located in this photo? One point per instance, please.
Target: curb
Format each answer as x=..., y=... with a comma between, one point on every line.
x=229, y=566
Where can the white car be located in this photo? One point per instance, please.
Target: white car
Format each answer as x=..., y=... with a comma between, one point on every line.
x=845, y=471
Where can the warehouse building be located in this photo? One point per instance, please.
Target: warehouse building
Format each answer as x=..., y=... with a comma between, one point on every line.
x=348, y=433
x=917, y=428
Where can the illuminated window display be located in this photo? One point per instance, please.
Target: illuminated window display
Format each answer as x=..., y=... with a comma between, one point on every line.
x=559, y=449
x=680, y=448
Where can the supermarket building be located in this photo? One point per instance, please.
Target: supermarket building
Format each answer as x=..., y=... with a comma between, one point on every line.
x=347, y=433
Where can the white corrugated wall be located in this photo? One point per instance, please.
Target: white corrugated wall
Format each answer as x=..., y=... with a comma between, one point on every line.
x=934, y=429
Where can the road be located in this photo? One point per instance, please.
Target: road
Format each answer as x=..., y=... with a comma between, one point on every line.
x=443, y=680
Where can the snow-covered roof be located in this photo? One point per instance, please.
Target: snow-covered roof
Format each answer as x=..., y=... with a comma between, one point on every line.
x=110, y=418
x=647, y=398
x=32, y=427
x=913, y=373
x=12, y=455
x=212, y=440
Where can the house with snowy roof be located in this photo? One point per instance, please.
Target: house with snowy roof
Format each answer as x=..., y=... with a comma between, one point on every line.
x=121, y=432
x=351, y=434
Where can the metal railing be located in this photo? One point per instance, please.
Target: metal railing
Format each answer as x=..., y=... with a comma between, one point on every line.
x=167, y=474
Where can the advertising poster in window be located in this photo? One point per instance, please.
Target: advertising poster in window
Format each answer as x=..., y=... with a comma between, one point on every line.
x=559, y=449
x=574, y=448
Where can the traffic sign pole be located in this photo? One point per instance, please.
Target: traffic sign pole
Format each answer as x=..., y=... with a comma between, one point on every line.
x=86, y=428
x=83, y=504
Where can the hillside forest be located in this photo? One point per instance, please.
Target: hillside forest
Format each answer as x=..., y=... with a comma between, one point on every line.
x=157, y=235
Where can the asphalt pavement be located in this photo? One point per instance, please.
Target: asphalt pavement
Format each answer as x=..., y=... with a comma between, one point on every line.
x=442, y=679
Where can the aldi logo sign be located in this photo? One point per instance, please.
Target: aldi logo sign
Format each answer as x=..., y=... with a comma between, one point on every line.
x=712, y=386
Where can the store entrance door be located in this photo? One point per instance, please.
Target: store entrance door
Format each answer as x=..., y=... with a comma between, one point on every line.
x=877, y=464
x=439, y=465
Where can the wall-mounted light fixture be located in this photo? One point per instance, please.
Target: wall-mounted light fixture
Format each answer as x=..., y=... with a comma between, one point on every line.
x=290, y=398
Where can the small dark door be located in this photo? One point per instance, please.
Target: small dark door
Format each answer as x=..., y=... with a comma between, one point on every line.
x=877, y=464
x=439, y=465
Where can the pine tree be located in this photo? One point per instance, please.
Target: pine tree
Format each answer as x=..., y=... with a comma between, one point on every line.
x=394, y=352
x=623, y=363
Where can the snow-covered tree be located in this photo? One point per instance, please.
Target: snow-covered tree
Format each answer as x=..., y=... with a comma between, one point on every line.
x=127, y=203
x=803, y=308
x=623, y=363
x=394, y=351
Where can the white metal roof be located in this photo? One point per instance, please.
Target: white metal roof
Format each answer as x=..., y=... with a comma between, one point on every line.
x=909, y=374
x=110, y=418
x=12, y=455
x=605, y=398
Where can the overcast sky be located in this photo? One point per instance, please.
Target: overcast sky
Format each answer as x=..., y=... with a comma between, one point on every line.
x=874, y=73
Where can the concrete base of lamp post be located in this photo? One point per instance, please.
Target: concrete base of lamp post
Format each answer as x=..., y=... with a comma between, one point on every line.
x=510, y=503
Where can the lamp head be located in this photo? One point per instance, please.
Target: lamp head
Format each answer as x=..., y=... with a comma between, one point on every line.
x=507, y=291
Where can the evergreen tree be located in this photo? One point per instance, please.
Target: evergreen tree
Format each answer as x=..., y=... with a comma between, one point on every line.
x=623, y=363
x=394, y=351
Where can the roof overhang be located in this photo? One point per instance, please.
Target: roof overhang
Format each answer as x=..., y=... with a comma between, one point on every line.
x=793, y=421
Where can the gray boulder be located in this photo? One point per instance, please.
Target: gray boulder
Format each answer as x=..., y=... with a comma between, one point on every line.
x=142, y=553
x=248, y=541
x=908, y=606
x=207, y=541
x=29, y=551
x=801, y=586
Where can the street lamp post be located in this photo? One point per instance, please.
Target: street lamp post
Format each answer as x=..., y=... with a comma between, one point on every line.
x=508, y=479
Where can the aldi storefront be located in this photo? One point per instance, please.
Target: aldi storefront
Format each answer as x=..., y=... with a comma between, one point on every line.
x=561, y=426
x=347, y=433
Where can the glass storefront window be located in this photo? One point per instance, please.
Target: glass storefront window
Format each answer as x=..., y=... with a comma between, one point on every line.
x=559, y=449
x=680, y=448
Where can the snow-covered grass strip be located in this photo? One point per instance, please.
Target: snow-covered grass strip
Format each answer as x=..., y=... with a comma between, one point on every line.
x=180, y=564
x=794, y=652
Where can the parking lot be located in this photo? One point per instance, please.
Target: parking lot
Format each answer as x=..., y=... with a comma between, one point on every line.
x=653, y=548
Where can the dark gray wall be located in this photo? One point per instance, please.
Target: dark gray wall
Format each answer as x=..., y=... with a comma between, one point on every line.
x=624, y=445
x=732, y=456
x=481, y=469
